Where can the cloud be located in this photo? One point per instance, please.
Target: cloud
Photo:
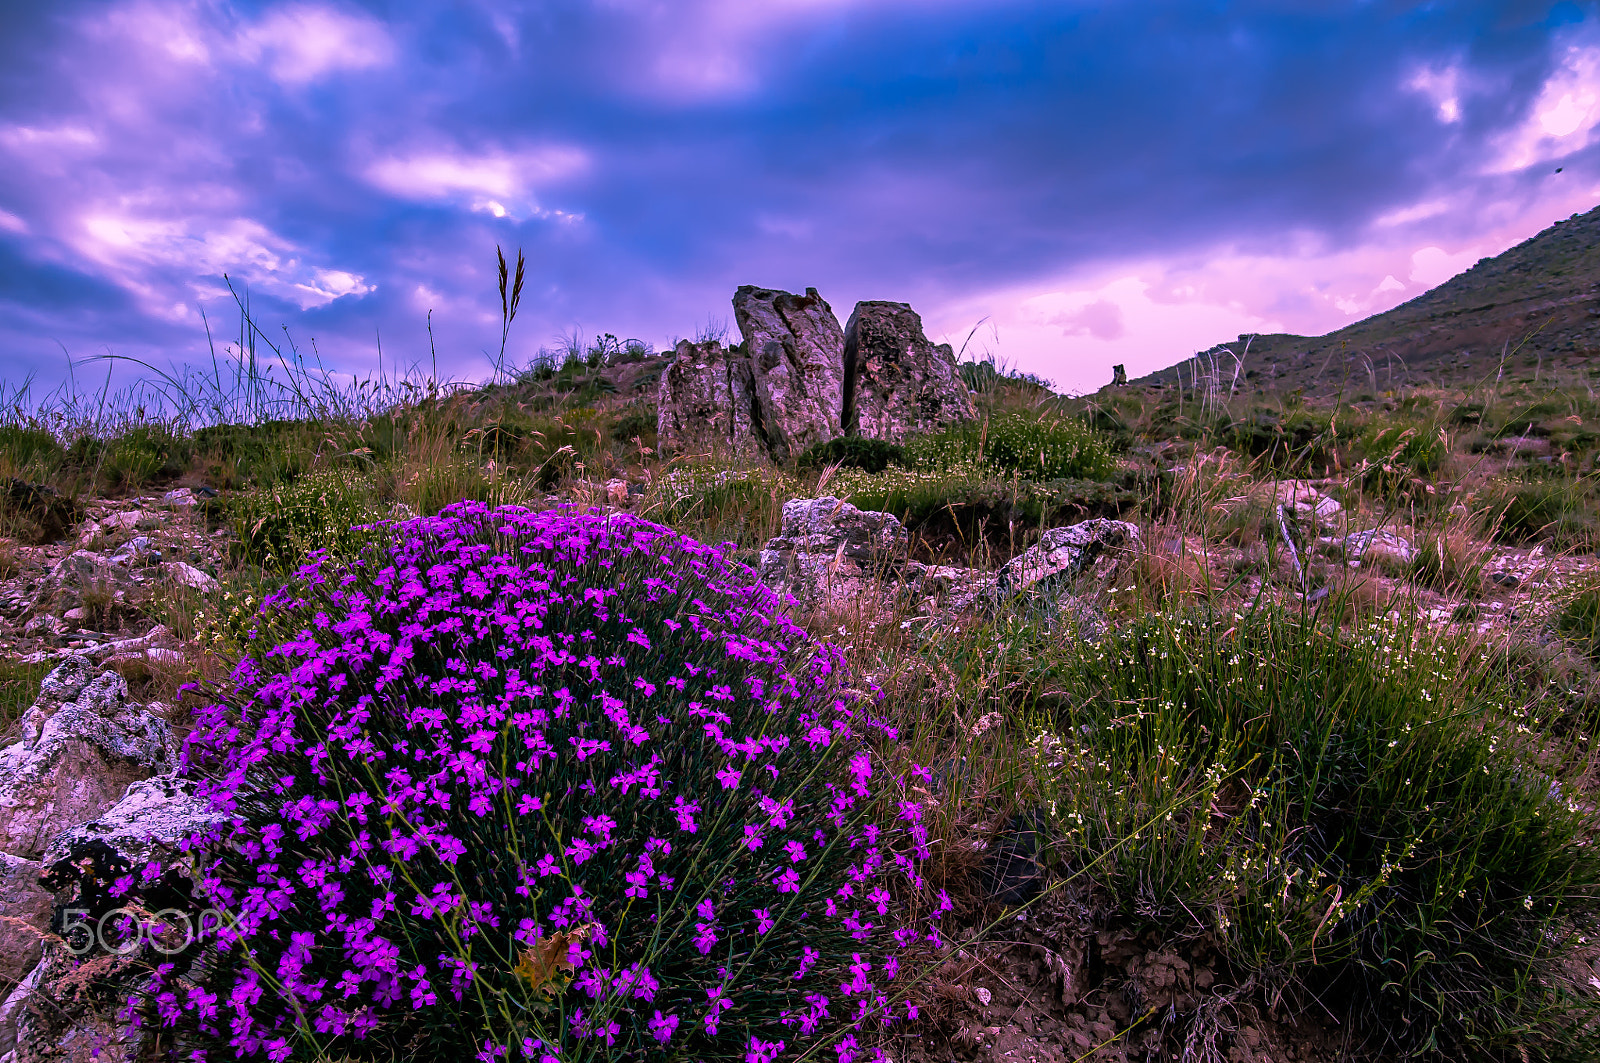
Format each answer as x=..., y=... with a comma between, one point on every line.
x=1432, y=266
x=1561, y=120
x=1101, y=319
x=130, y=245
x=1440, y=86
x=300, y=43
x=1111, y=183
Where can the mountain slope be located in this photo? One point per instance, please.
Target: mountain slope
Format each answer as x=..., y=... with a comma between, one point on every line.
x=1543, y=294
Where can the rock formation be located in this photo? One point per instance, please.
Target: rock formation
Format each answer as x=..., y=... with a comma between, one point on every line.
x=76, y=757
x=896, y=383
x=708, y=404
x=796, y=352
x=799, y=379
x=70, y=822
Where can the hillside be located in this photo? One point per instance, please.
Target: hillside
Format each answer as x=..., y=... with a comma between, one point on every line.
x=1540, y=299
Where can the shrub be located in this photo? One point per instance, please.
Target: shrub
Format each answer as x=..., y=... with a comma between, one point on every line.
x=543, y=786
x=269, y=452
x=1051, y=449
x=1555, y=509
x=743, y=504
x=1357, y=817
x=276, y=525
x=1449, y=560
x=141, y=454
x=1295, y=441
x=852, y=452
x=25, y=448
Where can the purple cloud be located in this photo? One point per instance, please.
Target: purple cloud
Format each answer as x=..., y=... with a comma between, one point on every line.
x=1102, y=184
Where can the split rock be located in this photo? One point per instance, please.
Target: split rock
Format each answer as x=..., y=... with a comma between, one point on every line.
x=707, y=404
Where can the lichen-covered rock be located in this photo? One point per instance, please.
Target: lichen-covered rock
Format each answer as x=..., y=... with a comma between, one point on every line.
x=707, y=405
x=76, y=758
x=1305, y=501
x=1379, y=546
x=25, y=908
x=63, y=1009
x=828, y=551
x=150, y=821
x=64, y=1012
x=948, y=587
x=896, y=383
x=1063, y=553
x=796, y=352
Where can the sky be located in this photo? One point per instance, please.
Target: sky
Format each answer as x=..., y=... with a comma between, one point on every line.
x=1065, y=186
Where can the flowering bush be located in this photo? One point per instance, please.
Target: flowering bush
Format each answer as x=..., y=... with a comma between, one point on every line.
x=546, y=786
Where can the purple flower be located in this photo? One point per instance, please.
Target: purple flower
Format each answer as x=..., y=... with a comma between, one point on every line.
x=662, y=1027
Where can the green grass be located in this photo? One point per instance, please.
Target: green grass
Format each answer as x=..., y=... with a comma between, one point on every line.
x=1358, y=818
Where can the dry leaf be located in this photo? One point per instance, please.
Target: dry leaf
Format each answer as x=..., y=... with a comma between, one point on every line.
x=545, y=966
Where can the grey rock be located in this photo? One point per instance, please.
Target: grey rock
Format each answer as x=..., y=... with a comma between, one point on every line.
x=77, y=569
x=75, y=761
x=948, y=587
x=43, y=626
x=796, y=352
x=1379, y=545
x=25, y=908
x=1305, y=501
x=1063, y=553
x=58, y=1015
x=150, y=821
x=707, y=404
x=188, y=576
x=64, y=682
x=896, y=383
x=135, y=551
x=828, y=550
x=181, y=498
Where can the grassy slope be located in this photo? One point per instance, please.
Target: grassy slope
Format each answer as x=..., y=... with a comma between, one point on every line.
x=1539, y=298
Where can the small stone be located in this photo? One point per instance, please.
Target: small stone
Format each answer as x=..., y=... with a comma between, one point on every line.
x=181, y=498
x=188, y=576
x=1505, y=579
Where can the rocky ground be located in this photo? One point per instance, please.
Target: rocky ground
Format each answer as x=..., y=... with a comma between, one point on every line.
x=90, y=634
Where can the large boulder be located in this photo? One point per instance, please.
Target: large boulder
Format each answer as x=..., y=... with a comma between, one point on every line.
x=829, y=552
x=25, y=908
x=896, y=383
x=83, y=742
x=64, y=1008
x=1061, y=554
x=796, y=352
x=707, y=404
